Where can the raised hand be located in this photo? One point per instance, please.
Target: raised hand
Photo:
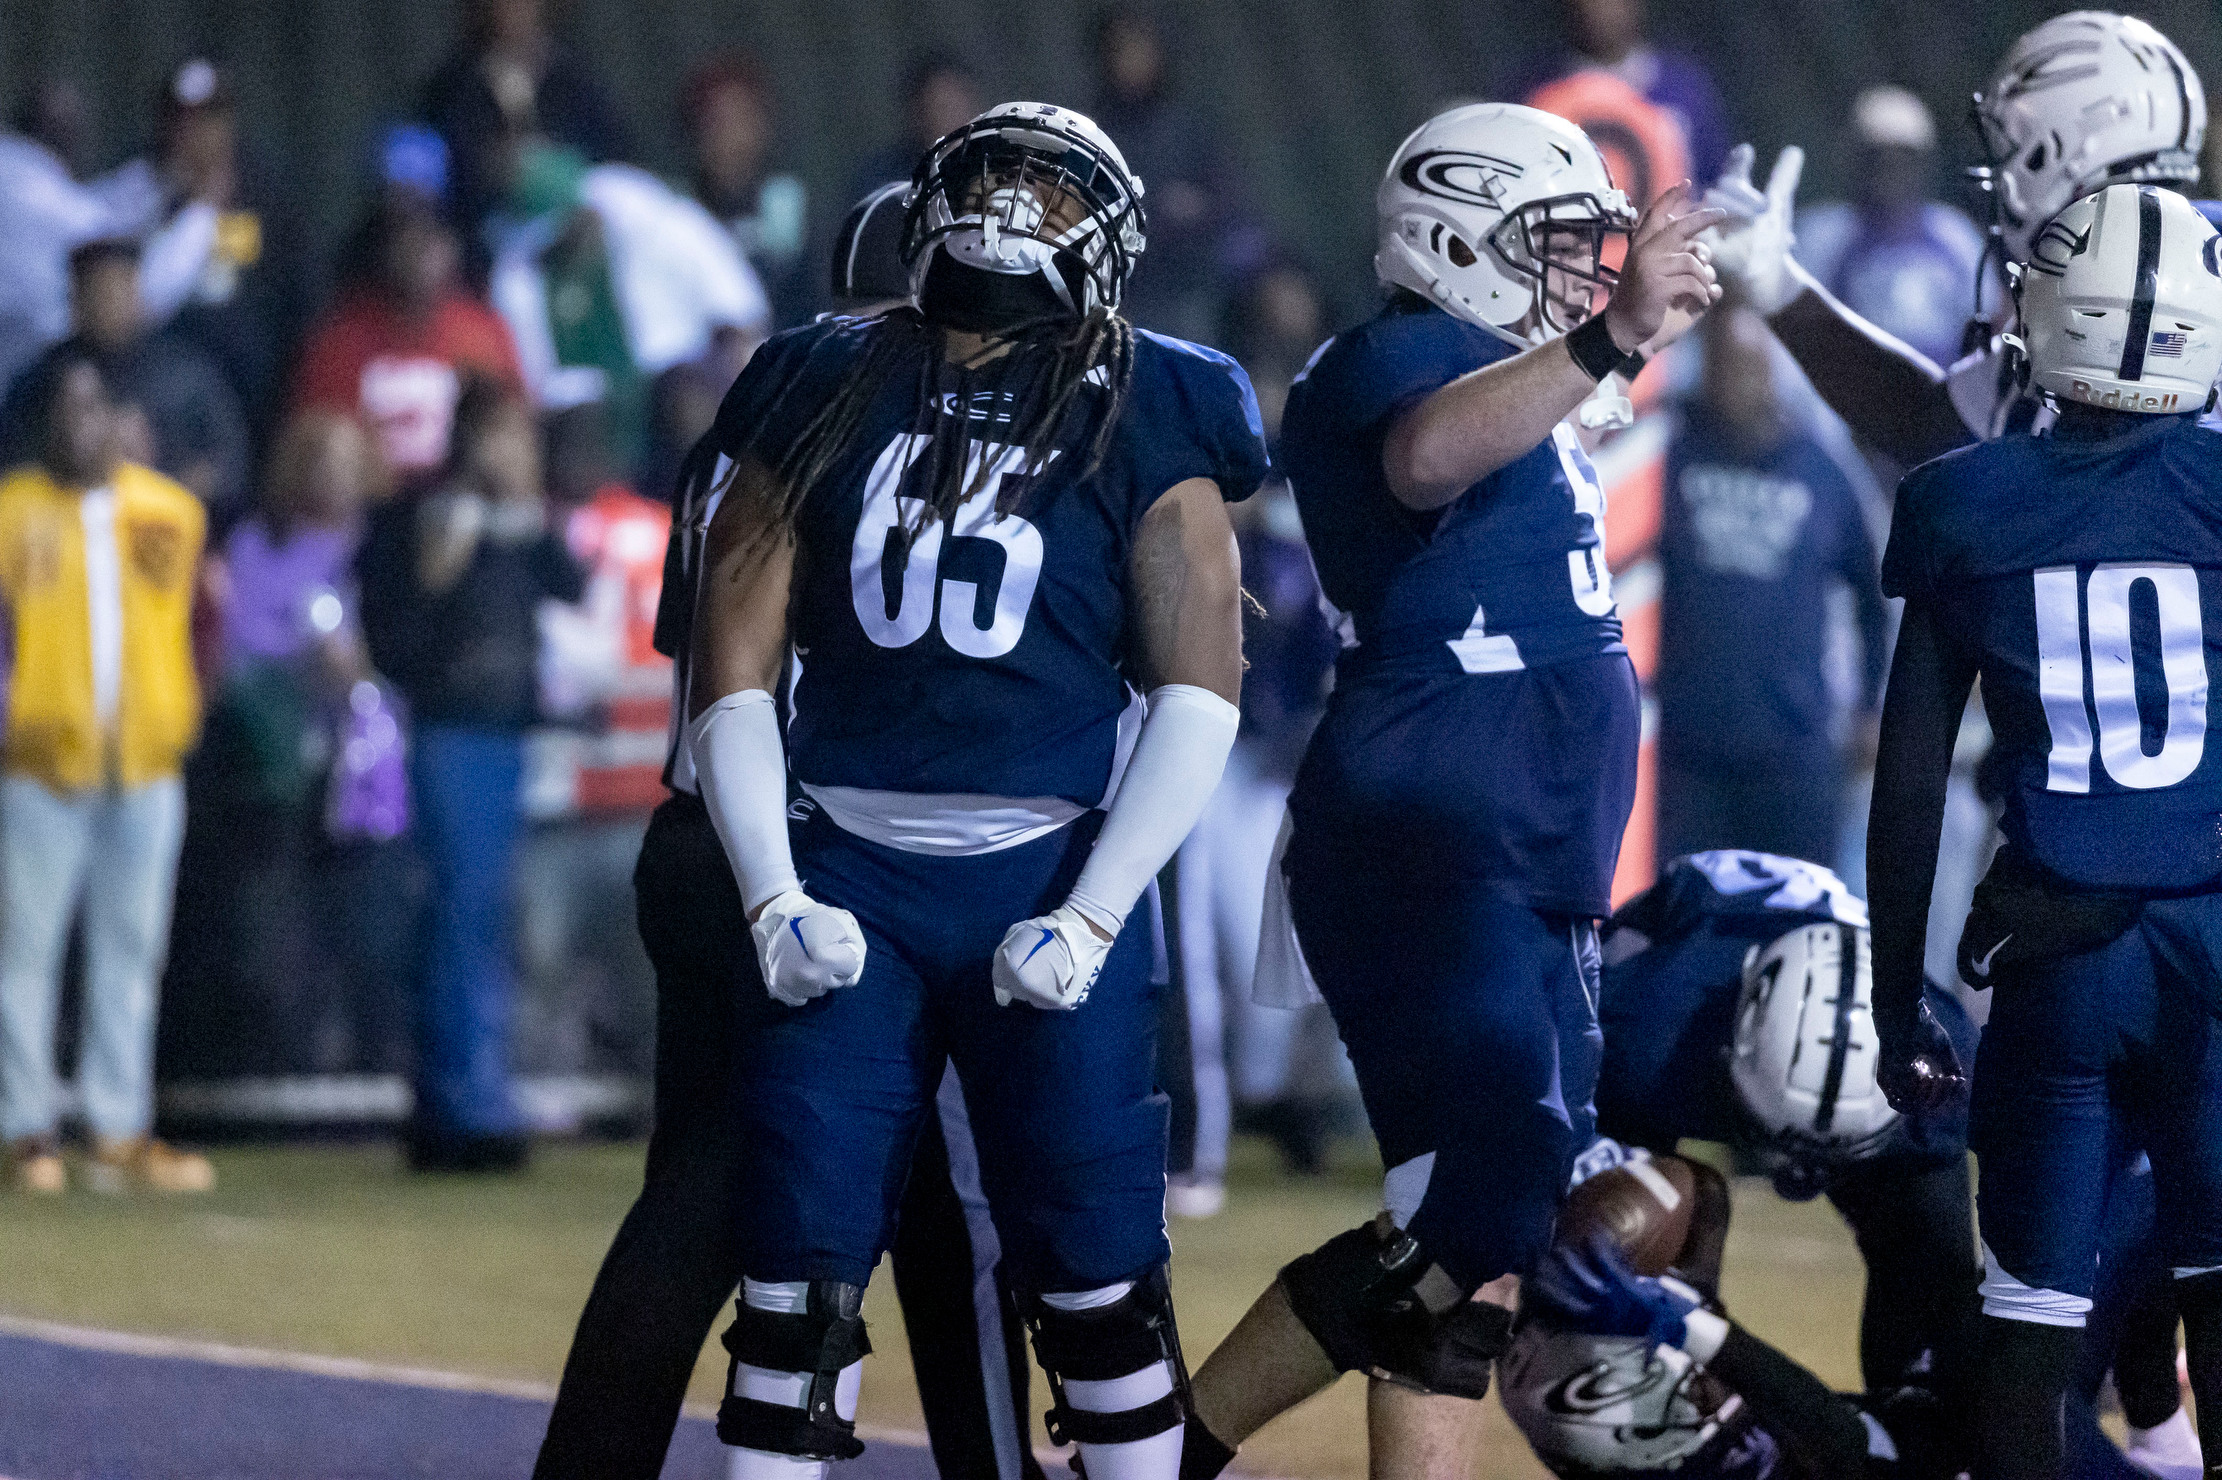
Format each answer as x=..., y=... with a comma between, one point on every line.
x=1666, y=270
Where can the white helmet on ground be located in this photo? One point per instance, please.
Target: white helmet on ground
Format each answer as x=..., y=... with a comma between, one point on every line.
x=2083, y=100
x=983, y=194
x=1804, y=1053
x=1482, y=205
x=1602, y=1405
x=2121, y=305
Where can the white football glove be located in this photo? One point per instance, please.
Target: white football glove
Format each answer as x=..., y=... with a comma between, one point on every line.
x=1050, y=961
x=806, y=949
x=1751, y=249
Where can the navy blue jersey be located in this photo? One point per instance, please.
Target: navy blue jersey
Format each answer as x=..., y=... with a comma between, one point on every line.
x=990, y=660
x=1750, y=542
x=1674, y=961
x=1510, y=574
x=2083, y=575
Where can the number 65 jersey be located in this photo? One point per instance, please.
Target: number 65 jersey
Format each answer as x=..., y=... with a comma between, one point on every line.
x=986, y=661
x=2082, y=572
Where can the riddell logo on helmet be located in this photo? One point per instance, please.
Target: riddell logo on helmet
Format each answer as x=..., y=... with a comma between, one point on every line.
x=2121, y=400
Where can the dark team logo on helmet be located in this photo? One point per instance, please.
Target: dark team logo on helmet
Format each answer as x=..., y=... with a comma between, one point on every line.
x=1456, y=174
x=2056, y=246
x=1597, y=1388
x=2211, y=254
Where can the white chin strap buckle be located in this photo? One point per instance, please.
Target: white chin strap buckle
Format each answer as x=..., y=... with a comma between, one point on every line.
x=1603, y=413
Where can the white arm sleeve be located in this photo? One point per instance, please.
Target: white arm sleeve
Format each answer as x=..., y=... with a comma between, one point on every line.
x=1176, y=765
x=741, y=767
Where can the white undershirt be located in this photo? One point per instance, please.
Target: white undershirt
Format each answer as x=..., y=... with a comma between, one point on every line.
x=104, y=598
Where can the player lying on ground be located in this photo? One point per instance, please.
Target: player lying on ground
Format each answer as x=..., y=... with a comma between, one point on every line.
x=1725, y=1020
x=2084, y=100
x=2079, y=575
x=1625, y=1363
x=1736, y=1009
x=971, y=520
x=1458, y=814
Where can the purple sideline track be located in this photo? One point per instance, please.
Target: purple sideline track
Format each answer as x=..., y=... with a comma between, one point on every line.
x=69, y=1413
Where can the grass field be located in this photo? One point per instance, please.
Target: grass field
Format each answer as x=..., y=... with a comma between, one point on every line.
x=335, y=1251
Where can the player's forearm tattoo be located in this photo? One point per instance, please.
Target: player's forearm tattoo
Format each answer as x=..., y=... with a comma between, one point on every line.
x=1161, y=581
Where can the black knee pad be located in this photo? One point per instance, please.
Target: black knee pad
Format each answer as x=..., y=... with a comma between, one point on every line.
x=1361, y=1297
x=818, y=1342
x=1111, y=1341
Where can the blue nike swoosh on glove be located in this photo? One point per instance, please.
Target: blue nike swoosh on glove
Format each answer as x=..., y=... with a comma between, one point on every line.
x=1047, y=937
x=796, y=927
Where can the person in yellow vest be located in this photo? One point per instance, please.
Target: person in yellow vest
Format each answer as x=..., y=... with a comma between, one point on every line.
x=98, y=559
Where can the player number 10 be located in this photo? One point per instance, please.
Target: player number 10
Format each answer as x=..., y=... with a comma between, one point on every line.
x=2111, y=675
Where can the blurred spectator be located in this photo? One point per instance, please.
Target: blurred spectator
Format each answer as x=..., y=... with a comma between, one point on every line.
x=1645, y=145
x=287, y=955
x=403, y=338
x=1760, y=521
x=197, y=433
x=1191, y=191
x=940, y=92
x=47, y=210
x=608, y=279
x=1903, y=261
x=451, y=584
x=253, y=295
x=1280, y=1083
x=1273, y=325
x=510, y=80
x=731, y=115
x=1608, y=35
x=599, y=665
x=98, y=561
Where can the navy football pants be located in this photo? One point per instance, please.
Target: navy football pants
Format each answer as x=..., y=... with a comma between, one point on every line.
x=2086, y=1057
x=831, y=1095
x=1472, y=1023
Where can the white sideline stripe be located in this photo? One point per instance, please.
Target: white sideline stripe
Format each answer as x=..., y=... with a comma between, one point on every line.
x=352, y=1369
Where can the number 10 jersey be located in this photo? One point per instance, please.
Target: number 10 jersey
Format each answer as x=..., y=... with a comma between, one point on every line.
x=987, y=659
x=2083, y=575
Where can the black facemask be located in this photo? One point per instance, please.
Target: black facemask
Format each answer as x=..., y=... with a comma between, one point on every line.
x=982, y=302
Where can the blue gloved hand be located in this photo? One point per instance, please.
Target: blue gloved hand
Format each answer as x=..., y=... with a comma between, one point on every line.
x=1592, y=1289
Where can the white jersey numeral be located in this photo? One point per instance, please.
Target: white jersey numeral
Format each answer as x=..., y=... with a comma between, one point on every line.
x=1479, y=650
x=2110, y=673
x=886, y=511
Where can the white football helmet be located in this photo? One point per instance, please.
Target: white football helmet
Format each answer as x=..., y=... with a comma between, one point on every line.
x=1602, y=1405
x=1484, y=204
x=2121, y=304
x=983, y=194
x=2083, y=100
x=1804, y=1053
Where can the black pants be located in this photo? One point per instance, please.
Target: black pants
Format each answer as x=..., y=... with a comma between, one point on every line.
x=1916, y=1235
x=676, y=1258
x=1786, y=806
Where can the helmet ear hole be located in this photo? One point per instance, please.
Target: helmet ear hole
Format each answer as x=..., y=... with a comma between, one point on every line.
x=1459, y=253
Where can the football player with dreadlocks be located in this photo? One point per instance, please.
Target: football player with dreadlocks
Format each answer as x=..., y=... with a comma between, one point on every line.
x=1458, y=815
x=973, y=520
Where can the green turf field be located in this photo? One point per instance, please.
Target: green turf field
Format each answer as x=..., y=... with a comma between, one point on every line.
x=335, y=1251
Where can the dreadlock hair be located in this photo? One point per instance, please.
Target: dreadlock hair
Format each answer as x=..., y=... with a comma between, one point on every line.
x=1044, y=374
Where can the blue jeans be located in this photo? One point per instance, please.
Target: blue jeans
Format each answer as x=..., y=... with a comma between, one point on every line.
x=465, y=783
x=118, y=851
